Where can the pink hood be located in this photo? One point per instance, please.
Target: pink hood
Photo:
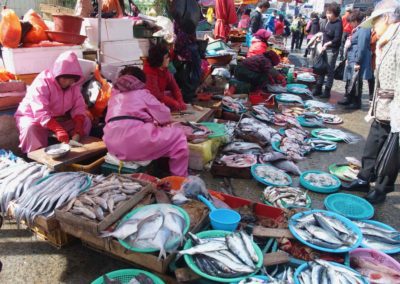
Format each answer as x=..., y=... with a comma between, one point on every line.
x=67, y=64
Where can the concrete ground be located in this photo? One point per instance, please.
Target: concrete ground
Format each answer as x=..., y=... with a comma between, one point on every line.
x=29, y=260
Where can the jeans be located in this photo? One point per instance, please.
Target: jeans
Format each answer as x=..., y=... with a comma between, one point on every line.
x=332, y=57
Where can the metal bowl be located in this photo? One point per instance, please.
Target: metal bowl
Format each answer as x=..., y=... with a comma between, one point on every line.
x=57, y=150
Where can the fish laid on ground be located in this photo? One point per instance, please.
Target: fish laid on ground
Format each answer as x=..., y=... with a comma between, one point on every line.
x=104, y=196
x=158, y=227
x=324, y=231
x=272, y=174
x=379, y=238
x=288, y=166
x=233, y=104
x=252, y=130
x=228, y=257
x=321, y=145
x=320, y=180
x=271, y=157
x=286, y=196
x=239, y=160
x=340, y=134
x=242, y=148
x=50, y=194
x=321, y=271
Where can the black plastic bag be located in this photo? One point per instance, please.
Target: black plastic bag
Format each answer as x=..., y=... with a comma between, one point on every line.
x=186, y=13
x=388, y=158
x=321, y=65
x=339, y=71
x=352, y=86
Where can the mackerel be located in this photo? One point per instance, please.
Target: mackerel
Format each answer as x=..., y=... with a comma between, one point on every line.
x=237, y=246
x=232, y=265
x=248, y=242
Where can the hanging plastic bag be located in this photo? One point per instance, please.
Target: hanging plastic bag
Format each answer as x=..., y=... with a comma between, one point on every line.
x=339, y=71
x=39, y=28
x=103, y=97
x=10, y=29
x=321, y=65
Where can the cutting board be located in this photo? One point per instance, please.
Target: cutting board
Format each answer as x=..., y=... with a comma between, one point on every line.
x=92, y=147
x=193, y=114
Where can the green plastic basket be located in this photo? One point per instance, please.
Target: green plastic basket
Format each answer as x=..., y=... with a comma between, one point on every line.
x=125, y=275
x=218, y=130
x=147, y=207
x=215, y=234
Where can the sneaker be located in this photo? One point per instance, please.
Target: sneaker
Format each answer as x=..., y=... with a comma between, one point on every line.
x=357, y=185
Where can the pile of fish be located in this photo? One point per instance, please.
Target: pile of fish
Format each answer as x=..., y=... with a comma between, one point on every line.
x=252, y=130
x=281, y=276
x=320, y=180
x=242, y=148
x=321, y=144
x=263, y=113
x=284, y=197
x=226, y=257
x=378, y=238
x=293, y=111
x=294, y=143
x=321, y=271
x=324, y=231
x=313, y=105
x=16, y=177
x=375, y=270
x=233, y=105
x=141, y=278
x=239, y=160
x=331, y=118
x=159, y=227
x=272, y=175
x=310, y=119
x=284, y=120
x=339, y=134
x=104, y=197
x=50, y=194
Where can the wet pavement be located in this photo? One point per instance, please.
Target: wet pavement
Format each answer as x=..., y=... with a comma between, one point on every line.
x=29, y=260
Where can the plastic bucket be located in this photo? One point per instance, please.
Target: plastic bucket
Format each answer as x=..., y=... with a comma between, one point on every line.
x=67, y=24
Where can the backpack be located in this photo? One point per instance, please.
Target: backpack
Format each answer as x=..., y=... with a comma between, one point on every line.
x=295, y=25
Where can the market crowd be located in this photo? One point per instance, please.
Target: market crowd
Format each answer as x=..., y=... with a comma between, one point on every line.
x=141, y=102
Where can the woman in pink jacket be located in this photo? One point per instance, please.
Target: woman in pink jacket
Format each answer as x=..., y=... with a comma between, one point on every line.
x=138, y=125
x=54, y=102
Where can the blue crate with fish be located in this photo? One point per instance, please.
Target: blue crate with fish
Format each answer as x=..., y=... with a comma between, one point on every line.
x=327, y=271
x=319, y=181
x=321, y=145
x=270, y=175
x=300, y=89
x=286, y=197
x=349, y=206
x=308, y=120
x=126, y=276
x=325, y=231
x=379, y=236
x=235, y=251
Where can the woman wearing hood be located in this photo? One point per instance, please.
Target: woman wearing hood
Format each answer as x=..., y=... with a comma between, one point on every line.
x=54, y=103
x=259, y=70
x=138, y=125
x=384, y=110
x=259, y=43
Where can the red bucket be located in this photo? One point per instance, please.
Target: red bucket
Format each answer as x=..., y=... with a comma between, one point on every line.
x=67, y=24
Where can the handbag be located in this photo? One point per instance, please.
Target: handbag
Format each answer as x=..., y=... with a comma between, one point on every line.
x=339, y=70
x=321, y=65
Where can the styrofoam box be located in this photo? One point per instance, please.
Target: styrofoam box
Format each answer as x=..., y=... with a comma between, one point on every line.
x=111, y=29
x=110, y=71
x=34, y=59
x=124, y=50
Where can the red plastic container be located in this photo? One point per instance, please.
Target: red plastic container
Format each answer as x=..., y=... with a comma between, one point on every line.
x=259, y=97
x=67, y=24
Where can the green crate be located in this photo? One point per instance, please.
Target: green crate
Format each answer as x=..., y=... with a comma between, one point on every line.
x=107, y=169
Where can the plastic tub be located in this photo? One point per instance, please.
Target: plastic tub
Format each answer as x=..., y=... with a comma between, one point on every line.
x=350, y=206
x=67, y=24
x=325, y=189
x=385, y=226
x=126, y=275
x=263, y=181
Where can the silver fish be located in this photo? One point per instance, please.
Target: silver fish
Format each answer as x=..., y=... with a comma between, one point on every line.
x=206, y=247
x=323, y=235
x=148, y=228
x=237, y=246
x=288, y=166
x=227, y=262
x=248, y=242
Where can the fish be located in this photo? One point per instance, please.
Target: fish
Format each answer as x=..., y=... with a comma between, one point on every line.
x=242, y=148
x=148, y=227
x=283, y=197
x=340, y=134
x=288, y=166
x=206, y=247
x=227, y=262
x=378, y=277
x=239, y=160
x=237, y=246
x=143, y=279
x=272, y=174
x=291, y=98
x=320, y=179
x=313, y=104
x=323, y=235
x=272, y=157
x=252, y=130
x=373, y=264
x=108, y=280
x=248, y=242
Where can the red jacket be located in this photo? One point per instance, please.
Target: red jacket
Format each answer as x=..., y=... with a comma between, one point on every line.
x=158, y=81
x=257, y=47
x=347, y=28
x=279, y=28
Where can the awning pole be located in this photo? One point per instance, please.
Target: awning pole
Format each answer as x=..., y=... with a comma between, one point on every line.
x=100, y=5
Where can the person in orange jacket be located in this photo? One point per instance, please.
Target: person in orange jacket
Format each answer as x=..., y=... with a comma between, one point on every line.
x=347, y=29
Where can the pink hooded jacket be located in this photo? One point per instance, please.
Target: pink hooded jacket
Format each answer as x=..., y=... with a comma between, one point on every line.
x=144, y=137
x=45, y=98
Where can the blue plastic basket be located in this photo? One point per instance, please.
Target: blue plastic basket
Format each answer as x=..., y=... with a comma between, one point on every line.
x=276, y=146
x=305, y=266
x=263, y=181
x=385, y=226
x=290, y=88
x=303, y=122
x=349, y=205
x=279, y=98
x=350, y=225
x=322, y=149
x=315, y=133
x=126, y=275
x=327, y=189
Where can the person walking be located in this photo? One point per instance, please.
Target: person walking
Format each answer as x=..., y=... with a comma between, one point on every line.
x=302, y=26
x=358, y=61
x=279, y=27
x=332, y=36
x=311, y=29
x=384, y=111
x=271, y=22
x=322, y=22
x=256, y=21
x=295, y=30
x=347, y=29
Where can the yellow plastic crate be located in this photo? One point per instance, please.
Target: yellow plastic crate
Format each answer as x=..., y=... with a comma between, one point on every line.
x=201, y=153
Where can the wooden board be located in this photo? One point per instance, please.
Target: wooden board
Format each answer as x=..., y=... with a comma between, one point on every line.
x=260, y=231
x=92, y=147
x=96, y=227
x=193, y=114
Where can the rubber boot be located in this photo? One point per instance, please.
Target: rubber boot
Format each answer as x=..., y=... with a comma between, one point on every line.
x=326, y=94
x=345, y=101
x=356, y=104
x=317, y=91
